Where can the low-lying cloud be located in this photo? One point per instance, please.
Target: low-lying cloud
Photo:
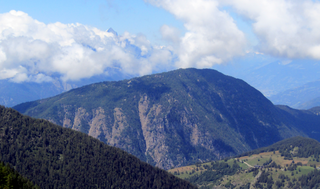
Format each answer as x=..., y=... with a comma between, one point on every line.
x=33, y=51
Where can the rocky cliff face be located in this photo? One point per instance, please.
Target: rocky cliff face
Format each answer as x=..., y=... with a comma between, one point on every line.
x=175, y=118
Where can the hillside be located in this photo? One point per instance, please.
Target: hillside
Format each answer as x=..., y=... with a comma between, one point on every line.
x=291, y=163
x=55, y=157
x=176, y=118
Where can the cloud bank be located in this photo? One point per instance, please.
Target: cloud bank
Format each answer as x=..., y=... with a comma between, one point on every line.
x=34, y=51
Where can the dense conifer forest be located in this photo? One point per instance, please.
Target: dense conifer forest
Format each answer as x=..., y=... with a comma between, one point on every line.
x=9, y=178
x=56, y=157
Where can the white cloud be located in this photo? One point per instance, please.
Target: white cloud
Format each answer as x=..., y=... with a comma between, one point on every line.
x=5, y=74
x=20, y=77
x=32, y=51
x=3, y=56
x=212, y=37
x=288, y=28
x=170, y=34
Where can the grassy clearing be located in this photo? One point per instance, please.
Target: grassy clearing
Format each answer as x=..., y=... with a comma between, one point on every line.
x=188, y=171
x=237, y=179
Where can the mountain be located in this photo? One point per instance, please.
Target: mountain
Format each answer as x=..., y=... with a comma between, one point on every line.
x=110, y=30
x=56, y=157
x=303, y=97
x=290, y=163
x=176, y=118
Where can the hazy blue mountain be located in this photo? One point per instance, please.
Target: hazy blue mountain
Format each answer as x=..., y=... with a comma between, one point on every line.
x=12, y=93
x=303, y=97
x=311, y=103
x=271, y=75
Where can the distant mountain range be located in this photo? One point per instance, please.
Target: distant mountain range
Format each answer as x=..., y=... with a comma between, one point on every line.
x=12, y=93
x=303, y=97
x=176, y=118
x=294, y=83
x=54, y=157
x=270, y=75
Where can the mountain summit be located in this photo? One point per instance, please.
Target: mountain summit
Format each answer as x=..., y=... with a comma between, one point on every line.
x=176, y=118
x=110, y=30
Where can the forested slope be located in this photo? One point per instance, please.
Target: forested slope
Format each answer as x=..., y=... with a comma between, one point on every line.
x=56, y=157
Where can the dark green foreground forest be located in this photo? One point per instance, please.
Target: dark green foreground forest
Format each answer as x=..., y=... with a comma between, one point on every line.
x=55, y=157
x=9, y=178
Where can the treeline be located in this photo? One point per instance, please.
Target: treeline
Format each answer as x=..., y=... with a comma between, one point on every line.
x=56, y=157
x=306, y=148
x=10, y=178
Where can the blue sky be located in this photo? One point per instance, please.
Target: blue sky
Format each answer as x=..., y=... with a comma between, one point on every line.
x=39, y=39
